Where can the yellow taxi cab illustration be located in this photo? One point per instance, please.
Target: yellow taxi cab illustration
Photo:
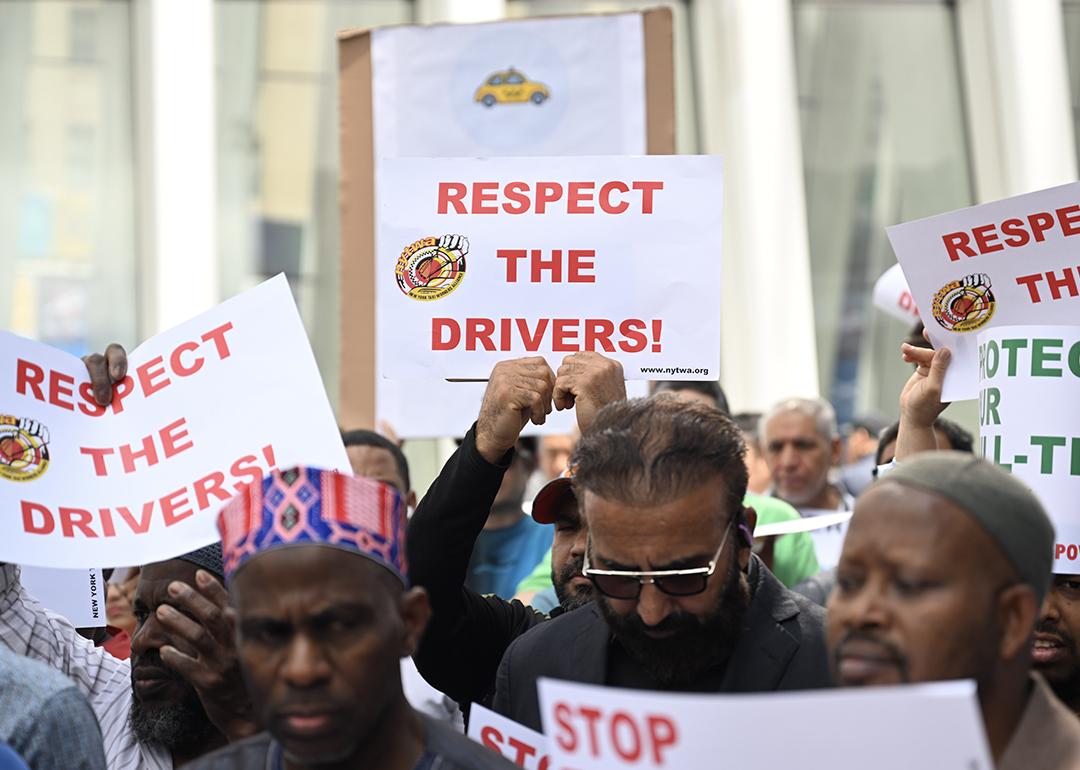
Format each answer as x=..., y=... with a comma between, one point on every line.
x=508, y=87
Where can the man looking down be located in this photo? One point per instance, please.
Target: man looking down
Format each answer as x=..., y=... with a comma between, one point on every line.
x=682, y=603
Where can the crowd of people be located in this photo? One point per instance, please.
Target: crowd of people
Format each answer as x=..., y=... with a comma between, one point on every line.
x=330, y=627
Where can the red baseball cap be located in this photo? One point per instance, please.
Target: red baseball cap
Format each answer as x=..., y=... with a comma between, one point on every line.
x=545, y=505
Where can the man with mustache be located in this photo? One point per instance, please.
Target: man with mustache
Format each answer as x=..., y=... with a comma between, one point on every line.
x=946, y=563
x=1057, y=652
x=682, y=603
x=468, y=633
x=317, y=574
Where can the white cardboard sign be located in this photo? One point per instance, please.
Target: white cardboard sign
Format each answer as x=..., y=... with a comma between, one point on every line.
x=524, y=747
x=77, y=594
x=479, y=260
x=1029, y=420
x=595, y=104
x=207, y=407
x=886, y=728
x=1006, y=263
x=893, y=297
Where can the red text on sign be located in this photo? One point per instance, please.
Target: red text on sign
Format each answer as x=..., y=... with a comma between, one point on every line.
x=521, y=754
x=1057, y=285
x=524, y=197
x=1013, y=233
x=173, y=439
x=563, y=335
x=631, y=738
x=579, y=265
x=184, y=360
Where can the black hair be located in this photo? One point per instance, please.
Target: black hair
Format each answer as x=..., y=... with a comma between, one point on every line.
x=373, y=439
x=710, y=388
x=657, y=449
x=959, y=439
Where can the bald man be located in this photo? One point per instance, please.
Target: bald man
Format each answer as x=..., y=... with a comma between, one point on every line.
x=946, y=563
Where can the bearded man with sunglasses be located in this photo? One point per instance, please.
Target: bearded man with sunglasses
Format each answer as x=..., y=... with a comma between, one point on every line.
x=682, y=603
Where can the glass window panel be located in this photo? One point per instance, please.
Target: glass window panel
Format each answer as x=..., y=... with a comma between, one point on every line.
x=67, y=212
x=884, y=141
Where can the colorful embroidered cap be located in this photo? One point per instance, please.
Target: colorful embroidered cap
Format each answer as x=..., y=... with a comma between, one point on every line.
x=303, y=506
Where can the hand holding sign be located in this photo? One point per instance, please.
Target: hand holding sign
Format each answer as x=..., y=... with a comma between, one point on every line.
x=587, y=382
x=920, y=400
x=106, y=371
x=517, y=392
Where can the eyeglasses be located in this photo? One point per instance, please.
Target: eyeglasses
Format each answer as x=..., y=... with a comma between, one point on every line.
x=626, y=584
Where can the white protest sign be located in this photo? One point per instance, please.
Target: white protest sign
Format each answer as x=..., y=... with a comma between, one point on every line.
x=1029, y=420
x=1005, y=263
x=594, y=104
x=524, y=747
x=886, y=728
x=892, y=296
x=207, y=407
x=480, y=260
x=807, y=524
x=77, y=594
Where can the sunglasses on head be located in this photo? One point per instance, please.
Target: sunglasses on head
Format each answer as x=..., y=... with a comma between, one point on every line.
x=626, y=584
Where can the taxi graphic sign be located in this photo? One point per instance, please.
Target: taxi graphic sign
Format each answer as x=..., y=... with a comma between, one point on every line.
x=24, y=448
x=431, y=268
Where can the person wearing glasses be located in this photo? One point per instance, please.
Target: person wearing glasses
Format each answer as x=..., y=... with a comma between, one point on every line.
x=682, y=603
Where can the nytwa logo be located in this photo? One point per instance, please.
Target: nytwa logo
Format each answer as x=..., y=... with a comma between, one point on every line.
x=24, y=448
x=964, y=305
x=431, y=268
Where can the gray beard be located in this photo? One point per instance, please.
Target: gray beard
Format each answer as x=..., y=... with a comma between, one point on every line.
x=179, y=725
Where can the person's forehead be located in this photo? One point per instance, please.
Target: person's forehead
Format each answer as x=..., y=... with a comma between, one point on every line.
x=557, y=443
x=375, y=463
x=304, y=575
x=693, y=396
x=916, y=525
x=790, y=424
x=154, y=578
x=662, y=531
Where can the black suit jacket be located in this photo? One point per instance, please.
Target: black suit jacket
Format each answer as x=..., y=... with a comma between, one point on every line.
x=782, y=647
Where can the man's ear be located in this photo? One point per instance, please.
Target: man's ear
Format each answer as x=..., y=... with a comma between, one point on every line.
x=837, y=448
x=415, y=612
x=1018, y=610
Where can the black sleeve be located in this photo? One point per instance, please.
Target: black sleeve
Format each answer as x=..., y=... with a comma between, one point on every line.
x=468, y=633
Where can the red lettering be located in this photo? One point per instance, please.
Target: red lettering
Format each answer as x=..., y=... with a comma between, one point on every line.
x=491, y=737
x=1032, y=284
x=174, y=507
x=75, y=518
x=1015, y=232
x=218, y=336
x=516, y=194
x=663, y=734
x=505, y=325
x=631, y=752
x=107, y=528
x=171, y=436
x=524, y=750
x=598, y=333
x=214, y=484
x=1069, y=218
x=565, y=735
x=142, y=526
x=1067, y=281
x=532, y=340
x=605, y=198
x=592, y=716
x=1059, y=549
x=29, y=377
x=484, y=193
x=1072, y=552
x=88, y=405
x=511, y=256
x=128, y=455
x=98, y=456
x=146, y=373
x=957, y=244
x=30, y=526
x=986, y=238
x=564, y=334
x=547, y=192
x=581, y=260
x=441, y=341
x=178, y=365
x=633, y=332
x=1039, y=224
x=478, y=331
x=539, y=265
x=647, y=189
x=577, y=197
x=247, y=467
x=122, y=390
x=450, y=194
x=61, y=385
